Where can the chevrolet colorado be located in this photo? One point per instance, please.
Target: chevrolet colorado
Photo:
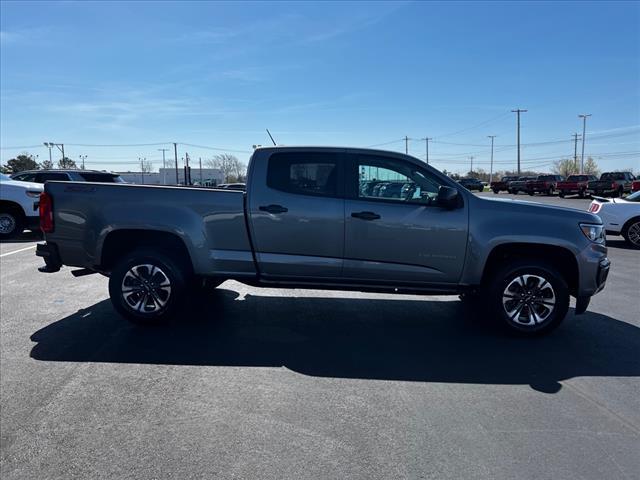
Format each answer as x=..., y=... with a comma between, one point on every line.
x=310, y=219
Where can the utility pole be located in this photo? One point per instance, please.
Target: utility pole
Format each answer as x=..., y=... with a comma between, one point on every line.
x=164, y=166
x=584, y=133
x=491, y=169
x=187, y=174
x=471, y=158
x=200, y=162
x=518, y=111
x=175, y=154
x=426, y=139
x=82, y=157
x=49, y=145
x=406, y=145
x=575, y=151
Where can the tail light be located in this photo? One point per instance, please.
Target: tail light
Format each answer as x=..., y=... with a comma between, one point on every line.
x=613, y=186
x=46, y=213
x=594, y=208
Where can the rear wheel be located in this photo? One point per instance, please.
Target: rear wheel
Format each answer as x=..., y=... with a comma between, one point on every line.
x=11, y=223
x=550, y=191
x=148, y=286
x=582, y=193
x=631, y=232
x=561, y=193
x=496, y=191
x=528, y=297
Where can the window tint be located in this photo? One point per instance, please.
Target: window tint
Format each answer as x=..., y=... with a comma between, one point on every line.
x=99, y=177
x=382, y=178
x=313, y=173
x=43, y=177
x=25, y=177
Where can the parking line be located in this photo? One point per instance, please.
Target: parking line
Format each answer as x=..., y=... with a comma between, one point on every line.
x=17, y=251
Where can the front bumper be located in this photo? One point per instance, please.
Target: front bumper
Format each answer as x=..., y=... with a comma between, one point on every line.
x=49, y=252
x=602, y=273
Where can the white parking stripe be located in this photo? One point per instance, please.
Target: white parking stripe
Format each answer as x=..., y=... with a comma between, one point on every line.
x=17, y=251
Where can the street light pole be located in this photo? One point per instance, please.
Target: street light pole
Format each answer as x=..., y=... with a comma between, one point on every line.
x=49, y=146
x=82, y=157
x=491, y=170
x=584, y=132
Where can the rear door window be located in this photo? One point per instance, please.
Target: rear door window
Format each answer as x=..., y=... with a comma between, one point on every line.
x=99, y=177
x=305, y=173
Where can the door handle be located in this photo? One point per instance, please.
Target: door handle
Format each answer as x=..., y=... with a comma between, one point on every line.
x=273, y=208
x=365, y=215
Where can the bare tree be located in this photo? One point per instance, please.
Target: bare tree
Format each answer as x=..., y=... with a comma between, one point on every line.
x=66, y=163
x=232, y=169
x=591, y=167
x=146, y=166
x=565, y=167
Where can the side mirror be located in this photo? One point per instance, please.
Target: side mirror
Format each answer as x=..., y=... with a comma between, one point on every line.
x=448, y=197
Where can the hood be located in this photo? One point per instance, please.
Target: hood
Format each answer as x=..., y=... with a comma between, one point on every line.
x=26, y=185
x=533, y=208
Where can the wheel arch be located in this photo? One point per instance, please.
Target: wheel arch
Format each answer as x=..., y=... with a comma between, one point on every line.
x=9, y=205
x=559, y=257
x=118, y=243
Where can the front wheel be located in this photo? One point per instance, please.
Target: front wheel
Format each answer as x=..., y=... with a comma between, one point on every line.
x=148, y=286
x=561, y=193
x=528, y=297
x=496, y=191
x=550, y=191
x=11, y=224
x=631, y=232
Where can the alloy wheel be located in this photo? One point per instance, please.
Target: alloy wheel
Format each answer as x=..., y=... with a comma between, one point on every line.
x=7, y=223
x=633, y=233
x=529, y=300
x=146, y=289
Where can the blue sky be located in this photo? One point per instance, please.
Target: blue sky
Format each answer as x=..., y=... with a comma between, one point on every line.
x=356, y=74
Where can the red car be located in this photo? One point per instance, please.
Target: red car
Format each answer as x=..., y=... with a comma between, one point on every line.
x=575, y=184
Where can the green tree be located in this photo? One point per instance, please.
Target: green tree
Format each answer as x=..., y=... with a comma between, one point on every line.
x=21, y=163
x=66, y=162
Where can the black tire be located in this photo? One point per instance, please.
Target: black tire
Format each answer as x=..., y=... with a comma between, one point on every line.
x=631, y=232
x=496, y=191
x=561, y=193
x=530, y=192
x=507, y=282
x=155, y=302
x=11, y=223
x=550, y=191
x=582, y=193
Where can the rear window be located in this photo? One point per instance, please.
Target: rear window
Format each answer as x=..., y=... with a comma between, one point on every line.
x=578, y=178
x=44, y=177
x=100, y=177
x=313, y=173
x=613, y=176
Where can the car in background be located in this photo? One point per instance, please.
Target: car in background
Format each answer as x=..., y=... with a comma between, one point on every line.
x=18, y=207
x=519, y=185
x=544, y=184
x=575, y=185
x=471, y=184
x=75, y=175
x=391, y=190
x=232, y=186
x=635, y=186
x=502, y=184
x=620, y=216
x=615, y=184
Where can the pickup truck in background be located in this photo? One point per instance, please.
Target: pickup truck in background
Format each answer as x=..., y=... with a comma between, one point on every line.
x=311, y=218
x=635, y=186
x=18, y=207
x=519, y=185
x=502, y=185
x=615, y=184
x=575, y=185
x=544, y=184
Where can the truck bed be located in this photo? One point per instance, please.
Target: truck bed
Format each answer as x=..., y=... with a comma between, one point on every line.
x=210, y=222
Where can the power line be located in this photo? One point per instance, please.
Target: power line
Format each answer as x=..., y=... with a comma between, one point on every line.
x=502, y=115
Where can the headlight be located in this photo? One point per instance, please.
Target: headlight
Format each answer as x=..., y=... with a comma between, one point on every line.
x=32, y=194
x=595, y=233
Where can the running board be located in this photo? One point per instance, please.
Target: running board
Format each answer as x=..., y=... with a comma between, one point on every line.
x=82, y=272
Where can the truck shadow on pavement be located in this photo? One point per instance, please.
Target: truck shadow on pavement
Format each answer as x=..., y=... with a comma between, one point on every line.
x=382, y=339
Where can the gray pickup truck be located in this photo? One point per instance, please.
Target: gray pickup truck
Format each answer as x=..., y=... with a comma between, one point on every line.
x=317, y=217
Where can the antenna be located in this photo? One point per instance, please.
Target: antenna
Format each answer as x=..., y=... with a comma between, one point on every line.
x=271, y=137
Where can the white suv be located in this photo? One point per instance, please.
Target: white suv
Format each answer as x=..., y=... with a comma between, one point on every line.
x=18, y=206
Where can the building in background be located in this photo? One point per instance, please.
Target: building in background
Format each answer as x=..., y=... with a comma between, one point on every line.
x=167, y=176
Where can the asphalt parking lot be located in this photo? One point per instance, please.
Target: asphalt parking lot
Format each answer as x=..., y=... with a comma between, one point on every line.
x=266, y=383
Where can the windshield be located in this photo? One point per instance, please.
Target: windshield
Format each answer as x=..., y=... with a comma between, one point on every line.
x=634, y=197
x=612, y=176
